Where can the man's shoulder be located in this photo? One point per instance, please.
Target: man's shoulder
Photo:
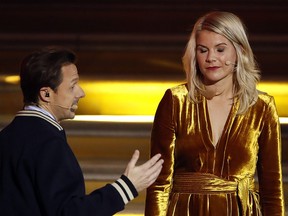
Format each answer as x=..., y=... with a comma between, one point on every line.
x=32, y=125
x=38, y=118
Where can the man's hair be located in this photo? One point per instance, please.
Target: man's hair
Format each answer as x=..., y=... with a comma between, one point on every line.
x=43, y=69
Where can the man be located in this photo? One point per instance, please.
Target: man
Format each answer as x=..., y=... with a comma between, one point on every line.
x=39, y=174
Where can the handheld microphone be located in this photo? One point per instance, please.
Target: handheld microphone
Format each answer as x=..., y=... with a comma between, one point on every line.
x=227, y=63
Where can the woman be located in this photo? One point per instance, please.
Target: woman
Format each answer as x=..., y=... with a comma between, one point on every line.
x=217, y=130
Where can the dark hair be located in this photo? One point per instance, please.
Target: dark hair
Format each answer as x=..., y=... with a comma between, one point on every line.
x=43, y=69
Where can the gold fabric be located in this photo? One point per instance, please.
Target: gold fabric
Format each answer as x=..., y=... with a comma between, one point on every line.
x=199, y=178
x=206, y=183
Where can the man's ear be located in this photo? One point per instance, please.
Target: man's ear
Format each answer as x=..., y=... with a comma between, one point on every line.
x=44, y=94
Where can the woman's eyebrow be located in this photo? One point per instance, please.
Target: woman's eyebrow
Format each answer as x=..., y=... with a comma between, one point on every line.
x=220, y=44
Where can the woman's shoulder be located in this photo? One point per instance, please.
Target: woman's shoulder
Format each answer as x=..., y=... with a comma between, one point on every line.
x=265, y=100
x=265, y=97
x=180, y=89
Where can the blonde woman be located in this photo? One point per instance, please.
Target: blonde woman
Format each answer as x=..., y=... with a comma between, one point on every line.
x=217, y=131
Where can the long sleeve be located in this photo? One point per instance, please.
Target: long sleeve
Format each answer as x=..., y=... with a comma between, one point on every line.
x=162, y=141
x=60, y=186
x=269, y=164
x=40, y=175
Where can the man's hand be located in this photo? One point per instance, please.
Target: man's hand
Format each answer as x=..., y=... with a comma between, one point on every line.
x=144, y=175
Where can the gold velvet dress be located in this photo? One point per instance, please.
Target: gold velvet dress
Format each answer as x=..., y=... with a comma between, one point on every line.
x=199, y=178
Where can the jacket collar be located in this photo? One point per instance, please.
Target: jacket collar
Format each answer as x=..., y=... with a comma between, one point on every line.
x=35, y=113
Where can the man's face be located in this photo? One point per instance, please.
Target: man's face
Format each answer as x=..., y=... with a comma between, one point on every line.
x=64, y=102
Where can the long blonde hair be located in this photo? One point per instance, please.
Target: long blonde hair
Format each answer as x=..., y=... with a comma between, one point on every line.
x=247, y=73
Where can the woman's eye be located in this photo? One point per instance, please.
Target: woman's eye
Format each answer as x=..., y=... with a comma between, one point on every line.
x=220, y=49
x=202, y=50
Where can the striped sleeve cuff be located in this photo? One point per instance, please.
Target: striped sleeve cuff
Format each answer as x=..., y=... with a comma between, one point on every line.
x=125, y=188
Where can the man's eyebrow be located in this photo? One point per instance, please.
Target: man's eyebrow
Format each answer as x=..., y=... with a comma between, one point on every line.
x=75, y=80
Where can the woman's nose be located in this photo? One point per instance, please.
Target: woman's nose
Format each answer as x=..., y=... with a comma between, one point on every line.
x=210, y=57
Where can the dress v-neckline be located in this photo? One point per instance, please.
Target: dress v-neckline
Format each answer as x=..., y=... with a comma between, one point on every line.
x=208, y=136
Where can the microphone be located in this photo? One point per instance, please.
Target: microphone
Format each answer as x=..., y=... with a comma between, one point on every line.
x=227, y=63
x=72, y=108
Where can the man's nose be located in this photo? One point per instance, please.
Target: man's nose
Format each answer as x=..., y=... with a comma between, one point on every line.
x=81, y=93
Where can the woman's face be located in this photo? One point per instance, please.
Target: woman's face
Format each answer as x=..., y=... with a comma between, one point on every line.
x=216, y=57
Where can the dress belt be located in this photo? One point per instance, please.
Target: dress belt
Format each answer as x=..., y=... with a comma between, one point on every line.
x=210, y=183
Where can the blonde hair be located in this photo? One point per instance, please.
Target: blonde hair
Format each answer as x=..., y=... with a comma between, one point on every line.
x=247, y=73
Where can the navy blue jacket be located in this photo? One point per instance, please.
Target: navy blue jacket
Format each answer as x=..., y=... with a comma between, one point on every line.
x=40, y=176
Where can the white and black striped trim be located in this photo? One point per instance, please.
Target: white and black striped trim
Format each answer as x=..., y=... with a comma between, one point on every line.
x=40, y=115
x=125, y=188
